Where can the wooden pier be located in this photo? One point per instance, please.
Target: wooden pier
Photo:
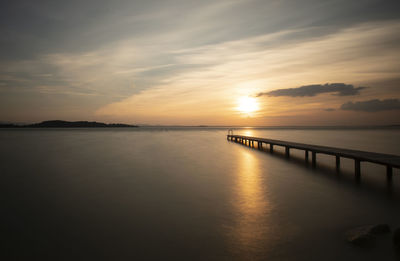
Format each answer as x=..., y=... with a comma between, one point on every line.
x=390, y=161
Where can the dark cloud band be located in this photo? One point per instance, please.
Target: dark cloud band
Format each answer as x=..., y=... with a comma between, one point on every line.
x=372, y=105
x=339, y=89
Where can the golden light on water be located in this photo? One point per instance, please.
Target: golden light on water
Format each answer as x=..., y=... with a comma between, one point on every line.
x=249, y=187
x=251, y=204
x=247, y=105
x=248, y=131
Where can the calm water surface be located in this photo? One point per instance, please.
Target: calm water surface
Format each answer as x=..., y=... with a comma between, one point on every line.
x=169, y=194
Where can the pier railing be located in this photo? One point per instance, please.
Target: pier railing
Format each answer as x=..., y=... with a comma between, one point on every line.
x=390, y=161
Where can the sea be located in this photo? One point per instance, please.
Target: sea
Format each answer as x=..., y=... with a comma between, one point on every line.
x=187, y=193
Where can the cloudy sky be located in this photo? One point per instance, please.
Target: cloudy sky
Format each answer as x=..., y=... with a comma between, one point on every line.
x=190, y=62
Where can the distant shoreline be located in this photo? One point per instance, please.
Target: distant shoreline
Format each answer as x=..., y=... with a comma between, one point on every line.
x=68, y=124
x=94, y=124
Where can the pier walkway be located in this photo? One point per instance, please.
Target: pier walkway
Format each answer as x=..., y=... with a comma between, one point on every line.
x=390, y=161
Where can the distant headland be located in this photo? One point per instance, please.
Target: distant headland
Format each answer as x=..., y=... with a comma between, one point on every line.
x=68, y=124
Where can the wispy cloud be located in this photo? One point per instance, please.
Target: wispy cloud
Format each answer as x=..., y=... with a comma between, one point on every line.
x=374, y=105
x=233, y=69
x=167, y=78
x=339, y=89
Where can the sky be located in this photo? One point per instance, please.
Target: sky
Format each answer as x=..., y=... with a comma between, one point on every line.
x=191, y=62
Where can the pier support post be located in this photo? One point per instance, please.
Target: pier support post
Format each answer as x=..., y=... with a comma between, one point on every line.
x=271, y=148
x=357, y=168
x=287, y=152
x=337, y=163
x=314, y=159
x=306, y=155
x=389, y=173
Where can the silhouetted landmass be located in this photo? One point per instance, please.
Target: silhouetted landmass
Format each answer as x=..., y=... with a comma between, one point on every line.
x=87, y=124
x=8, y=125
x=68, y=124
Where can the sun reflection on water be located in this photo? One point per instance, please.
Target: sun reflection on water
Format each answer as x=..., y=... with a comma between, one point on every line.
x=247, y=132
x=251, y=204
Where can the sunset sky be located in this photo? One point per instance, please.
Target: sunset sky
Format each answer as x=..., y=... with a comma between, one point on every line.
x=190, y=62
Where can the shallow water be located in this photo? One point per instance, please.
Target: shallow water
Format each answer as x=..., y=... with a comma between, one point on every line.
x=149, y=193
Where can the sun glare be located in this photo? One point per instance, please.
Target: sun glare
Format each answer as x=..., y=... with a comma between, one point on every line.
x=247, y=105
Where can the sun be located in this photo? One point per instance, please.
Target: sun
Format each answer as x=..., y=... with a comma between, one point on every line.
x=247, y=105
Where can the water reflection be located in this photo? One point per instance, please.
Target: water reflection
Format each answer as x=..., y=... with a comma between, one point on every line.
x=252, y=206
x=247, y=132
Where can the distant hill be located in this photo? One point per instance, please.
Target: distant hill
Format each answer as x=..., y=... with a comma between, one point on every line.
x=68, y=124
x=8, y=125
